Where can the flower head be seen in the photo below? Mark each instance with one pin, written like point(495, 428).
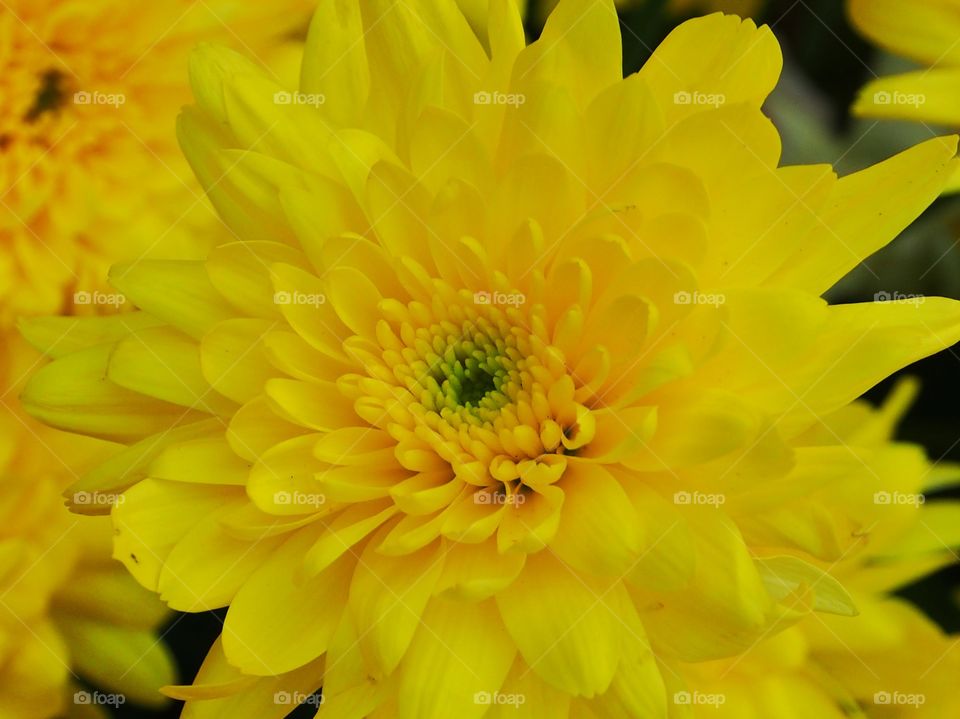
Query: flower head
point(90, 92)
point(516, 383)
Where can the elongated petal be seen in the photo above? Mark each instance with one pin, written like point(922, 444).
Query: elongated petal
point(265, 632)
point(460, 650)
point(565, 626)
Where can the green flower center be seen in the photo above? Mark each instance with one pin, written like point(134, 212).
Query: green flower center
point(474, 383)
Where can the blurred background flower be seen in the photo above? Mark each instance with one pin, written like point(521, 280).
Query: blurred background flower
point(90, 166)
point(72, 620)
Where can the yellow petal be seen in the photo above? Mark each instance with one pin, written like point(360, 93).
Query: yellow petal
point(155, 515)
point(283, 479)
point(460, 649)
point(165, 364)
point(599, 531)
point(60, 336)
point(255, 428)
point(220, 690)
point(928, 96)
point(566, 626)
point(580, 44)
point(926, 31)
point(130, 465)
point(233, 360)
point(73, 393)
point(786, 576)
point(387, 597)
point(344, 531)
point(178, 292)
point(317, 405)
point(724, 609)
point(717, 56)
point(207, 566)
point(276, 624)
point(335, 61)
point(867, 210)
point(472, 572)
point(241, 273)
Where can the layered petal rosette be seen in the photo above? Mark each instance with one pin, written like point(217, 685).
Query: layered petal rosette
point(513, 393)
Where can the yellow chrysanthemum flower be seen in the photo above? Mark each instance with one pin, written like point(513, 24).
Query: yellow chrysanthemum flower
point(925, 31)
point(509, 392)
point(90, 165)
point(890, 660)
point(68, 611)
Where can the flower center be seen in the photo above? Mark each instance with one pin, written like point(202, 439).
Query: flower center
point(473, 380)
point(474, 386)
